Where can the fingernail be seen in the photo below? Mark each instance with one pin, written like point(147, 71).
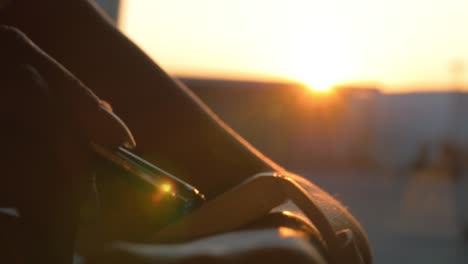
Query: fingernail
point(129, 145)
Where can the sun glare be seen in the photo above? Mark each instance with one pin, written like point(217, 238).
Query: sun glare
point(320, 89)
point(326, 42)
point(319, 86)
point(318, 78)
point(166, 187)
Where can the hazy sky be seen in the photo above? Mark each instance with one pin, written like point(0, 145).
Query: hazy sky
point(397, 43)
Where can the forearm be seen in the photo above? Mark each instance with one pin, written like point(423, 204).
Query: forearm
point(171, 126)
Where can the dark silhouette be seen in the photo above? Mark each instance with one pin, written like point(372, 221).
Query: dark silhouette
point(55, 57)
point(58, 59)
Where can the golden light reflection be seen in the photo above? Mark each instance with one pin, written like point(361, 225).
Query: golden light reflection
point(166, 187)
point(286, 232)
point(161, 192)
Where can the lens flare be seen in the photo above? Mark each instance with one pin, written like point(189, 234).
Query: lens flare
point(166, 187)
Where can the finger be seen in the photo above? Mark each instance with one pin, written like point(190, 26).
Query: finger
point(71, 96)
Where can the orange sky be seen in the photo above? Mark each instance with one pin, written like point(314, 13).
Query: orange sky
point(396, 43)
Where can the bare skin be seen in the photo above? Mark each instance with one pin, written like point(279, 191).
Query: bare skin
point(57, 57)
point(63, 55)
point(172, 126)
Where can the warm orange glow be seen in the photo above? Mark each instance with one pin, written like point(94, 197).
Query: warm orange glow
point(322, 88)
point(320, 43)
point(286, 232)
point(156, 197)
point(166, 187)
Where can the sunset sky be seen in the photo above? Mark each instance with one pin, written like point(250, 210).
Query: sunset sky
point(398, 44)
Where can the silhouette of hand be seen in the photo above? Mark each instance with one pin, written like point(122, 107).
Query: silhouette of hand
point(48, 118)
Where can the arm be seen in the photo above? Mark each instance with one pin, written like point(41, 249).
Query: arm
point(172, 126)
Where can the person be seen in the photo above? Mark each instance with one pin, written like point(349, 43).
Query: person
point(58, 58)
point(59, 61)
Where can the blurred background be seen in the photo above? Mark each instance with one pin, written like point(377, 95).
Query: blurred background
point(364, 97)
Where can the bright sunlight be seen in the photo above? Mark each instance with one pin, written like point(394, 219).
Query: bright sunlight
point(320, 43)
point(232, 42)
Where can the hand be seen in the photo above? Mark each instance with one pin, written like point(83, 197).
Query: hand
point(48, 119)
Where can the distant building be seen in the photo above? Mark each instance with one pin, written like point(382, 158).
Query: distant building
point(361, 127)
point(407, 122)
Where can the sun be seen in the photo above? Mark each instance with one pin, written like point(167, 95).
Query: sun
point(320, 89)
point(318, 80)
point(319, 60)
point(319, 74)
point(319, 85)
